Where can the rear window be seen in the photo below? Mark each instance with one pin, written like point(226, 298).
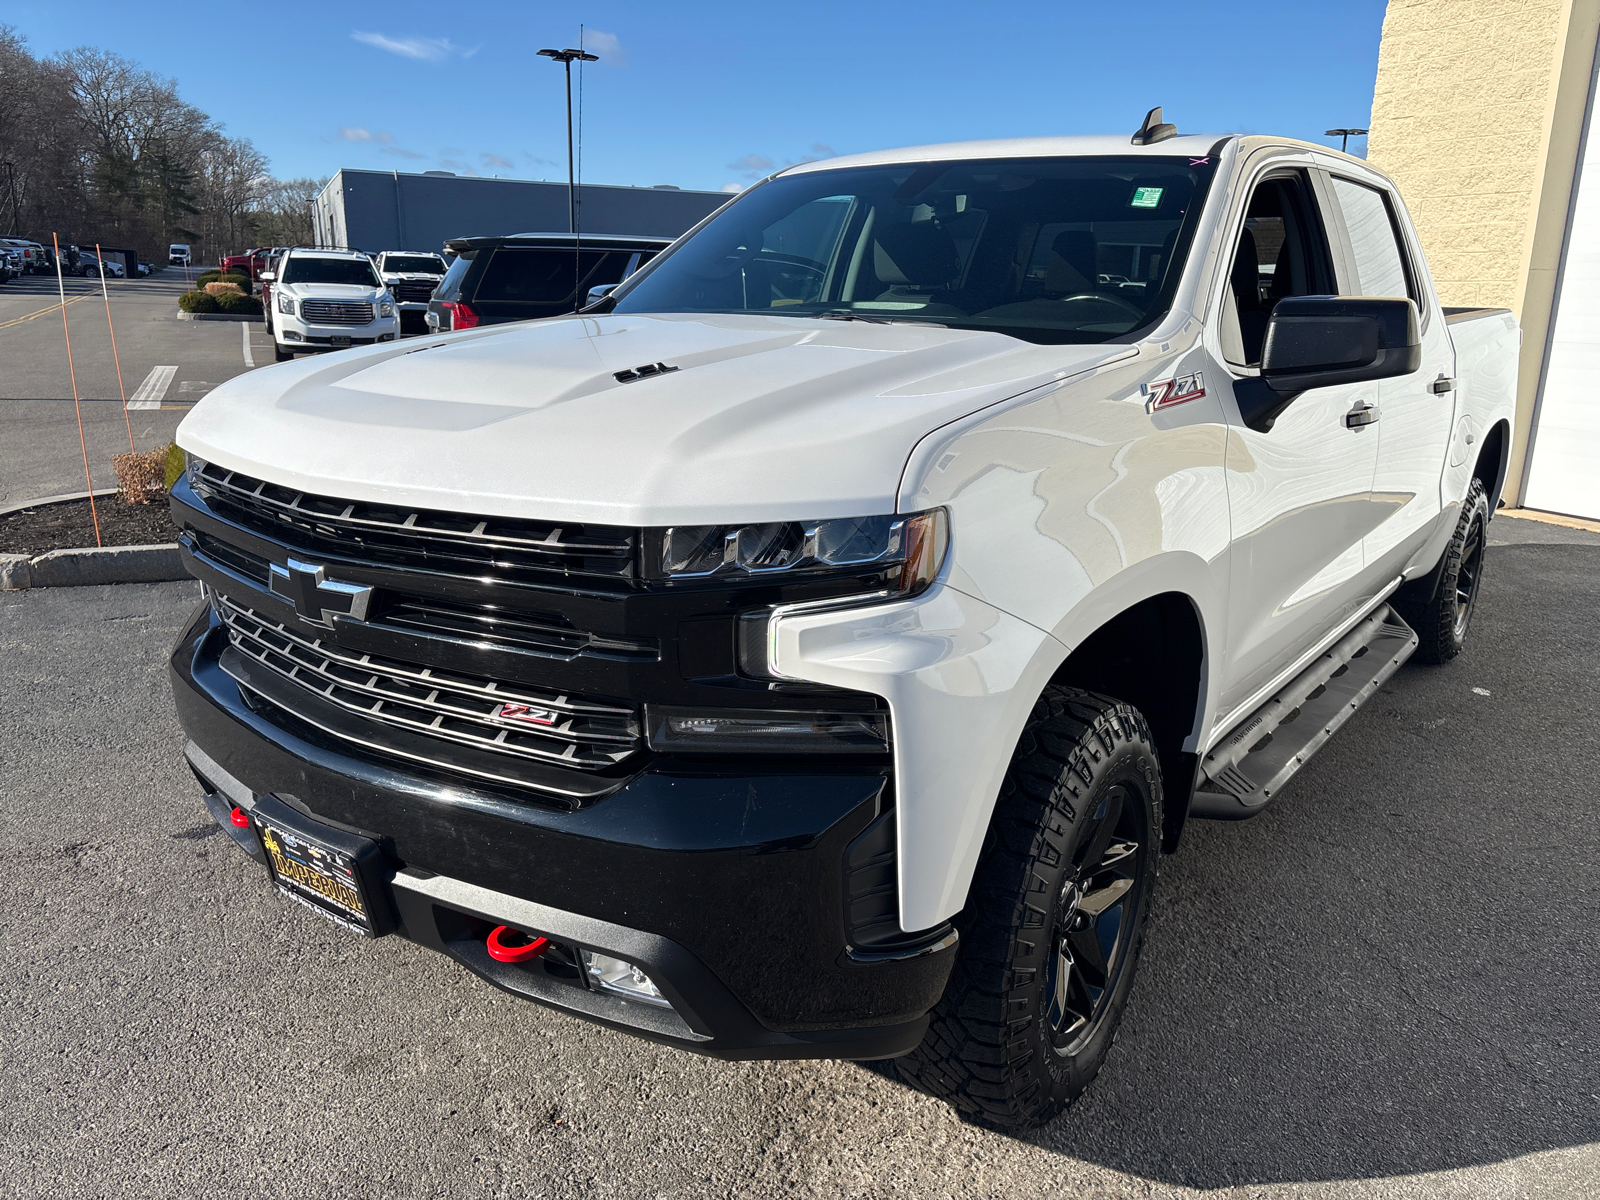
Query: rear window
point(450, 286)
point(544, 276)
point(421, 263)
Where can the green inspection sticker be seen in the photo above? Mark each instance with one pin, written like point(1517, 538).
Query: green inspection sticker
point(1146, 197)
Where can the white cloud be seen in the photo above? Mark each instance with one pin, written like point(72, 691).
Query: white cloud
point(354, 133)
point(731, 187)
point(823, 150)
point(606, 46)
point(420, 48)
point(497, 160)
point(754, 164)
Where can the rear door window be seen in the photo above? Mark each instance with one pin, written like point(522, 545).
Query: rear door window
point(1380, 268)
point(450, 286)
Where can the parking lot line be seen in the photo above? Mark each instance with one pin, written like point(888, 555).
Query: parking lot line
point(149, 393)
point(33, 315)
point(244, 328)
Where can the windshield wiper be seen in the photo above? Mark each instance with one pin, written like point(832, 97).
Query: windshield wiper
point(841, 315)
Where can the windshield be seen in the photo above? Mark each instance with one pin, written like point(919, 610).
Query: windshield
point(1044, 249)
point(424, 263)
point(357, 272)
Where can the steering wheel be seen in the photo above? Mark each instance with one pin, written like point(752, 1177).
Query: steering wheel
point(1114, 301)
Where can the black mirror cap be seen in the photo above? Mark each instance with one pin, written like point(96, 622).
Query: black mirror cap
point(1322, 341)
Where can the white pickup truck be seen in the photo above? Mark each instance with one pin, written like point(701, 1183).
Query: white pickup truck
point(811, 648)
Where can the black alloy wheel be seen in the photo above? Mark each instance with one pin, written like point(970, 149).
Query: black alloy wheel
point(1441, 616)
point(1096, 912)
point(1468, 572)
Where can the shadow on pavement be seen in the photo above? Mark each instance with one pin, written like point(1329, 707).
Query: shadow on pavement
point(1394, 969)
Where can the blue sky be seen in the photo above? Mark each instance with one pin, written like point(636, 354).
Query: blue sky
point(714, 95)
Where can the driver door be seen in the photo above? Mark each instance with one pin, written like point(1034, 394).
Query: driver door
point(1300, 492)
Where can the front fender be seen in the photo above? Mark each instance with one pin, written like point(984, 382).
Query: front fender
point(960, 677)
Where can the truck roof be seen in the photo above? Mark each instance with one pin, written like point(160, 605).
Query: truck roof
point(1196, 145)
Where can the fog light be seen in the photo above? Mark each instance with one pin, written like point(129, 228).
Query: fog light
point(290, 335)
point(751, 731)
point(623, 978)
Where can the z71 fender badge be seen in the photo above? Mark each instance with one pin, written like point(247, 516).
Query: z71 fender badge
point(523, 714)
point(1165, 393)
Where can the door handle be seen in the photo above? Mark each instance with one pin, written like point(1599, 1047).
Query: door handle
point(1360, 416)
point(1442, 385)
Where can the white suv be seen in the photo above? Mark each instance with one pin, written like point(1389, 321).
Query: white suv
point(327, 300)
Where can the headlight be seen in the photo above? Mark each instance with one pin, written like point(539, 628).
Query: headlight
point(914, 544)
point(285, 303)
point(386, 307)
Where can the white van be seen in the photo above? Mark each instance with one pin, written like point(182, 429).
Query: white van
point(178, 254)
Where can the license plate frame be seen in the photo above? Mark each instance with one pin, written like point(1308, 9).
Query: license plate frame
point(338, 875)
point(339, 340)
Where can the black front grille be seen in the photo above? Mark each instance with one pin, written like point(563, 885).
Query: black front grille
point(418, 539)
point(504, 721)
point(500, 626)
point(413, 293)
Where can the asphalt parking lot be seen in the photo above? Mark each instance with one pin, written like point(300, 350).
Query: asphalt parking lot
point(42, 454)
point(1384, 986)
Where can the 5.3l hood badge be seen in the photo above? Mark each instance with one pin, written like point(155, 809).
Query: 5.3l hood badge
point(316, 598)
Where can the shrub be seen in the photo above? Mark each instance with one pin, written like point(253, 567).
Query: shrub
point(221, 289)
point(238, 302)
point(141, 476)
point(208, 277)
point(174, 463)
point(198, 302)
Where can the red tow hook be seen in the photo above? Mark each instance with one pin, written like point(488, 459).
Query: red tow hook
point(240, 818)
point(500, 952)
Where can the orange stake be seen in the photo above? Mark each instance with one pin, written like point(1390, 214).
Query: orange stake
point(76, 403)
point(126, 420)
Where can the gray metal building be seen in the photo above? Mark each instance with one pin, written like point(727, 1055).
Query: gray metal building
point(392, 210)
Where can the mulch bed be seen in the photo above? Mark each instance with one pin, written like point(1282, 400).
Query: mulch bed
point(67, 526)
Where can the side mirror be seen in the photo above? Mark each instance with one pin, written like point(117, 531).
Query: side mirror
point(269, 276)
point(597, 294)
point(1324, 341)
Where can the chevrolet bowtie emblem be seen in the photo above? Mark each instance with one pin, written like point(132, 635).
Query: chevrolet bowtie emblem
point(317, 599)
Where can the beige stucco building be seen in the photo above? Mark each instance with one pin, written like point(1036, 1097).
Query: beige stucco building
point(1481, 114)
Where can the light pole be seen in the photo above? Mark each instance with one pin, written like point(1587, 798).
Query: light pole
point(1346, 135)
point(566, 58)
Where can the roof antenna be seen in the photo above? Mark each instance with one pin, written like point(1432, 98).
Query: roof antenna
point(1153, 131)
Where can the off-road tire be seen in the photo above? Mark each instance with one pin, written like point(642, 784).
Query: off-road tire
point(1443, 617)
point(992, 1048)
point(279, 353)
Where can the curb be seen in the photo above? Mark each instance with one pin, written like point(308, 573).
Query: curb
point(18, 505)
point(183, 316)
point(77, 568)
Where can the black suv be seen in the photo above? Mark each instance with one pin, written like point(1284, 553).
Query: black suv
point(524, 276)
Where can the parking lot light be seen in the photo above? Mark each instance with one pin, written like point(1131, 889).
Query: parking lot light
point(566, 58)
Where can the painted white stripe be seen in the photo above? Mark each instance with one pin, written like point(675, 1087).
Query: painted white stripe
point(153, 389)
point(244, 328)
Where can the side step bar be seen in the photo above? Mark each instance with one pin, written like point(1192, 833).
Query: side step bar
point(1248, 768)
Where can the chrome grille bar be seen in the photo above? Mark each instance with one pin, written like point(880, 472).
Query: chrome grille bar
point(583, 733)
point(336, 312)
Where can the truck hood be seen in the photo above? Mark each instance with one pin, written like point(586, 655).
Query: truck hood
point(331, 291)
point(756, 418)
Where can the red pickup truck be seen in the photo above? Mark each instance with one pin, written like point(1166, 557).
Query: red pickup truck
point(252, 262)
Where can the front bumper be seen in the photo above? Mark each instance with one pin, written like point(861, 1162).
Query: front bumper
point(728, 888)
point(294, 332)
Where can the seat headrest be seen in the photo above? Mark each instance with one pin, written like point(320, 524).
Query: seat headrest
point(1072, 267)
point(920, 255)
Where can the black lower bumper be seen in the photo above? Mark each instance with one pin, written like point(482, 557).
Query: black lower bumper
point(727, 889)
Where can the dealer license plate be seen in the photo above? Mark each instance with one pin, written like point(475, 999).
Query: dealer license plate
point(324, 879)
point(337, 340)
